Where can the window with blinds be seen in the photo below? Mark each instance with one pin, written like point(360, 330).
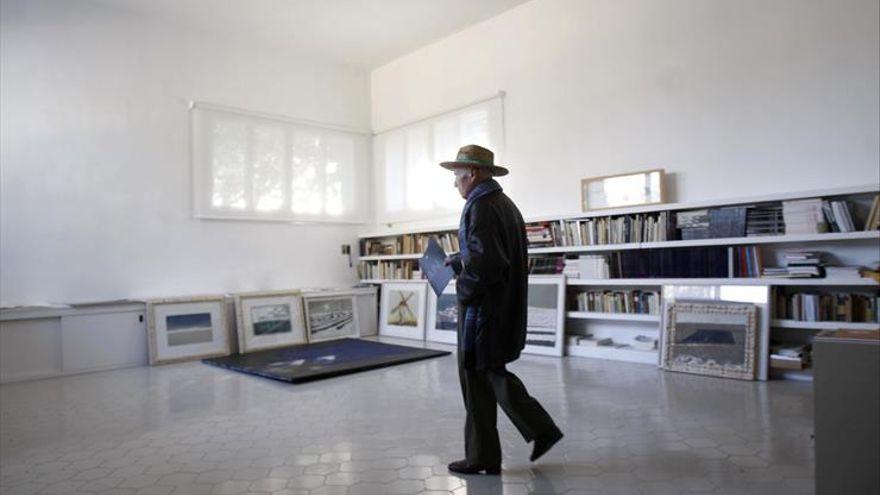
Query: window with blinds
point(249, 166)
point(409, 183)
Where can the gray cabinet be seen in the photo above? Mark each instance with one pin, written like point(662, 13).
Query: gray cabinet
point(847, 400)
point(46, 342)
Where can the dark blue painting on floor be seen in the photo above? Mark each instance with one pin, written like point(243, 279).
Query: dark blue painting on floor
point(302, 363)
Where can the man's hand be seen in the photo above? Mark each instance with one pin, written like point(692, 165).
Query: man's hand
point(454, 261)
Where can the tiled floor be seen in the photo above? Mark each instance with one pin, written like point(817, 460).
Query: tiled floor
point(195, 429)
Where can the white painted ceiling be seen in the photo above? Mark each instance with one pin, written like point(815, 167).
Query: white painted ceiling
point(361, 33)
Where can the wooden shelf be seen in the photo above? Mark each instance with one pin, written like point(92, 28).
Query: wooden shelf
point(656, 282)
point(823, 325)
point(602, 352)
point(597, 315)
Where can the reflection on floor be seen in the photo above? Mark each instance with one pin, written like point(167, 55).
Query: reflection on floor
point(195, 429)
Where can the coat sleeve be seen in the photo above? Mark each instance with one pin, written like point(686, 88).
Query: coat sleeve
point(486, 262)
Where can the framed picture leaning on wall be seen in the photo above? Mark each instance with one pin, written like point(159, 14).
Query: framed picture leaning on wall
point(403, 310)
point(331, 315)
point(545, 319)
point(617, 191)
point(712, 338)
point(180, 329)
point(269, 319)
point(442, 322)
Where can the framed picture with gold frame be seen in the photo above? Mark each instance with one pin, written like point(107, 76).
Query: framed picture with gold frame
point(621, 190)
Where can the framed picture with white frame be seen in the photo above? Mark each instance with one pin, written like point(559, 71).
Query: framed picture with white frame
point(269, 319)
point(403, 309)
point(621, 190)
point(545, 322)
point(181, 329)
point(331, 315)
point(442, 322)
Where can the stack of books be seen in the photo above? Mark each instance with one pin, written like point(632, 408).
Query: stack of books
point(804, 216)
point(539, 235)
point(790, 356)
point(798, 264)
point(765, 220)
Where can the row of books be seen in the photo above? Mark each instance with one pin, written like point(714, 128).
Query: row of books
point(608, 301)
point(798, 264)
point(814, 216)
point(409, 244)
point(649, 227)
point(399, 270)
point(845, 307)
point(694, 262)
point(805, 216)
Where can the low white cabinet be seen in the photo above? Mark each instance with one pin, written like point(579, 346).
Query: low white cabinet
point(45, 342)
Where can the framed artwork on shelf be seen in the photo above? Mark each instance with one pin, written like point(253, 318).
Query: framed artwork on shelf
point(180, 329)
point(403, 310)
point(712, 338)
point(269, 319)
point(442, 323)
point(617, 191)
point(545, 318)
point(331, 315)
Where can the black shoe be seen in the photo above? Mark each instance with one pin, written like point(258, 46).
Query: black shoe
point(544, 443)
point(463, 467)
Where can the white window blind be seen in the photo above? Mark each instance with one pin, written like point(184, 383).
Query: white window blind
point(409, 182)
point(251, 166)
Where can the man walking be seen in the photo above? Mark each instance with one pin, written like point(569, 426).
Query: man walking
point(492, 285)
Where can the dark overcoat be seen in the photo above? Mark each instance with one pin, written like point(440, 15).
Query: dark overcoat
point(494, 278)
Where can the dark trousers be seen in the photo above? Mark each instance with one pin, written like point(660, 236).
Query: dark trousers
point(482, 390)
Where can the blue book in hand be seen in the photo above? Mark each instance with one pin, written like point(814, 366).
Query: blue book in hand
point(431, 264)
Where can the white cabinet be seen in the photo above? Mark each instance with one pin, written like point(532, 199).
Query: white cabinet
point(46, 342)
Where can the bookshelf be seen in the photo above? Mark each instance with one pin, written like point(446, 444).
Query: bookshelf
point(653, 229)
point(824, 325)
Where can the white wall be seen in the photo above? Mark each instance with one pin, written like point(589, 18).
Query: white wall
point(733, 98)
point(95, 167)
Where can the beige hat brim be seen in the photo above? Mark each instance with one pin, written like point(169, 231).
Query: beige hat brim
point(495, 169)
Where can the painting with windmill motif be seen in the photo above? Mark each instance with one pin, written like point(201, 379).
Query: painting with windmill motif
point(403, 310)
